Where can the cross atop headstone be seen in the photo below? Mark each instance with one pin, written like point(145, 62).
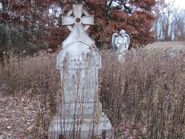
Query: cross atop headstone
point(78, 20)
point(77, 17)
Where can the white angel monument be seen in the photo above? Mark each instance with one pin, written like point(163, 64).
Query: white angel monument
point(80, 114)
point(120, 44)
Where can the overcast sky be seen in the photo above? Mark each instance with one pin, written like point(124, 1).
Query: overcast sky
point(178, 3)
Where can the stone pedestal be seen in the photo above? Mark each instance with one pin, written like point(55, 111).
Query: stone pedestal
point(81, 121)
point(83, 128)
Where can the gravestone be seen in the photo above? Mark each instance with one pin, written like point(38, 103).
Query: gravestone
point(173, 52)
point(120, 44)
point(80, 115)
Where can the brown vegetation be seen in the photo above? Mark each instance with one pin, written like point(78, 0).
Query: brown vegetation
point(145, 94)
point(29, 91)
point(143, 97)
point(42, 29)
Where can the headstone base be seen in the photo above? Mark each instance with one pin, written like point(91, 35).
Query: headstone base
point(81, 128)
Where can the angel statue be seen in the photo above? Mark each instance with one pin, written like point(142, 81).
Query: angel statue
point(120, 43)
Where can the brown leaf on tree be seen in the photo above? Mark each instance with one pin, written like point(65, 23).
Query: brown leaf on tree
point(35, 15)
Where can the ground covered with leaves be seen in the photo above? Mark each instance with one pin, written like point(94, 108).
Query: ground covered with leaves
point(18, 114)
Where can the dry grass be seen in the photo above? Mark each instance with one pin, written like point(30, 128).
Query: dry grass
point(36, 81)
point(143, 97)
point(166, 45)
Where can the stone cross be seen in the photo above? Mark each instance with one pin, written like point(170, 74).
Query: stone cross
point(78, 19)
point(120, 44)
point(80, 115)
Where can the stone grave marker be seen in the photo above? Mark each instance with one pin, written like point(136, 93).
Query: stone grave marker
point(120, 44)
point(173, 52)
point(80, 115)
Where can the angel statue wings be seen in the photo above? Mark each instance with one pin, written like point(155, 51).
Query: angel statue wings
point(120, 43)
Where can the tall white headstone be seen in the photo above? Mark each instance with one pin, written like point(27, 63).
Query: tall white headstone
point(120, 44)
point(80, 115)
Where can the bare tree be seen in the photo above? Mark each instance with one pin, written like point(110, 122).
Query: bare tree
point(179, 22)
point(164, 29)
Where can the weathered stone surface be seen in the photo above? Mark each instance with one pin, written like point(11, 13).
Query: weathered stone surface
point(84, 128)
point(80, 110)
point(80, 115)
point(79, 72)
